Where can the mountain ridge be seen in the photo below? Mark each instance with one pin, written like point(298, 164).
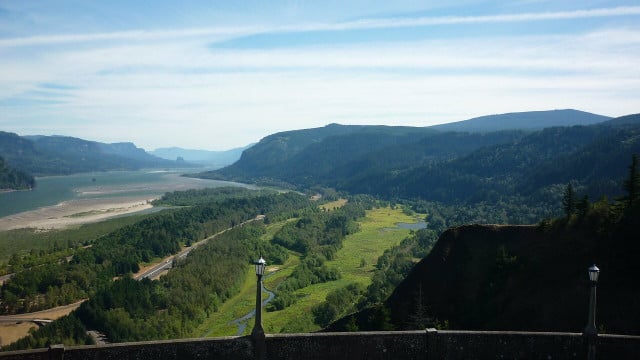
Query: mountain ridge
point(58, 155)
point(531, 120)
point(410, 162)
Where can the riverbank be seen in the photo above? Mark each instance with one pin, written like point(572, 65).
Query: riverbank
point(76, 212)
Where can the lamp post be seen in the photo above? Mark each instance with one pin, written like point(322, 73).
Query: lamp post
point(591, 332)
point(591, 329)
point(258, 332)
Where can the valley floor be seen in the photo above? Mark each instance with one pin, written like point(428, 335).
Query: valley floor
point(378, 232)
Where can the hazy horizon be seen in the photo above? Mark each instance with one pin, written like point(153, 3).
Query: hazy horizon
point(221, 75)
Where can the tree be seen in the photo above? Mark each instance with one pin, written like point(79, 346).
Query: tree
point(418, 318)
point(569, 200)
point(380, 319)
point(632, 183)
point(583, 206)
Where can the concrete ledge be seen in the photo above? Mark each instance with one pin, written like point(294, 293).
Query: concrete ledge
point(507, 345)
point(429, 344)
point(356, 345)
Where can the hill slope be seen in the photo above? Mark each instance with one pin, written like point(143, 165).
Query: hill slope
point(12, 179)
point(331, 154)
point(594, 157)
point(532, 120)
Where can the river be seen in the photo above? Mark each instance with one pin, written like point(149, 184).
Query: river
point(53, 190)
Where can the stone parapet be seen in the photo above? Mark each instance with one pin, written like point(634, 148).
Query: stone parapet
point(424, 345)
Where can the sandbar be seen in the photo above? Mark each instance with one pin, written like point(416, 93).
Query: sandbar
point(75, 212)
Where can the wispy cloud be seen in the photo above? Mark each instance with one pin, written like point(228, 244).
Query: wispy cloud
point(223, 33)
point(455, 20)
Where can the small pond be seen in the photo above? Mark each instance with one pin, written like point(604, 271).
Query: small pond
point(413, 226)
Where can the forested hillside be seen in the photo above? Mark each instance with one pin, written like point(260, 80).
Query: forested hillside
point(12, 179)
point(352, 152)
point(513, 166)
point(58, 155)
point(593, 157)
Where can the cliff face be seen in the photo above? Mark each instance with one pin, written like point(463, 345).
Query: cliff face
point(532, 278)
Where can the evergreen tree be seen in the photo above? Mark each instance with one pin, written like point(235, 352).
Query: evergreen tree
point(569, 200)
point(352, 325)
point(380, 319)
point(583, 206)
point(418, 319)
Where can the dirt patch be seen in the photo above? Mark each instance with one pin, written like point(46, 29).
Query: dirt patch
point(15, 331)
point(14, 327)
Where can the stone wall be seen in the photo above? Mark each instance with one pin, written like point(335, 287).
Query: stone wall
point(430, 344)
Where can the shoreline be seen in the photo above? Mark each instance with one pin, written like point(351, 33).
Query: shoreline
point(76, 212)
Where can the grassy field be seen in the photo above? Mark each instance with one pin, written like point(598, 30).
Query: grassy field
point(23, 240)
point(334, 204)
point(378, 232)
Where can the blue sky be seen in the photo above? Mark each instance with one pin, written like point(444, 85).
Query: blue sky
point(221, 74)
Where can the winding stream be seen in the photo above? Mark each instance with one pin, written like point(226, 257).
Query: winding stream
point(243, 322)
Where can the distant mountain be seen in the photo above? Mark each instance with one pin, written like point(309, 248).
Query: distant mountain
point(532, 120)
point(55, 155)
point(203, 157)
point(128, 150)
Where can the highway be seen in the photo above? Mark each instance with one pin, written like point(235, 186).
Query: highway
point(167, 263)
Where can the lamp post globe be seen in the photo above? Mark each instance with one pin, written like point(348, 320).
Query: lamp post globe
point(594, 272)
point(260, 265)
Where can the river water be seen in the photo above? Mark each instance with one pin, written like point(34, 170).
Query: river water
point(52, 190)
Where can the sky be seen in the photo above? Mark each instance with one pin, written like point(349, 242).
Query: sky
point(217, 75)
